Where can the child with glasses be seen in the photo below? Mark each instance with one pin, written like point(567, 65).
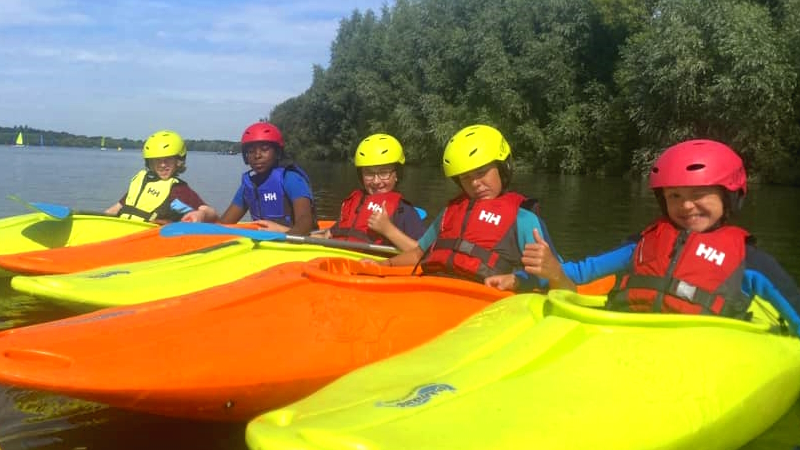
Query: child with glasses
point(376, 213)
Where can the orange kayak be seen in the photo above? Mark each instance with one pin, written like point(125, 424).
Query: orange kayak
point(135, 247)
point(234, 351)
point(231, 352)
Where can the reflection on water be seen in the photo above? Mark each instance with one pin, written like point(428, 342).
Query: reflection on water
point(584, 216)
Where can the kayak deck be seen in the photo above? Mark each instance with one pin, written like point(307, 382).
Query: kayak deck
point(139, 282)
point(38, 231)
point(533, 372)
point(233, 351)
point(140, 246)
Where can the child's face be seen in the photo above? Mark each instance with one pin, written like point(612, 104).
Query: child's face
point(482, 183)
point(262, 156)
point(695, 208)
point(163, 167)
point(379, 179)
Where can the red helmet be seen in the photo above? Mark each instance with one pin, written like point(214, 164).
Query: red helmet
point(699, 162)
point(261, 132)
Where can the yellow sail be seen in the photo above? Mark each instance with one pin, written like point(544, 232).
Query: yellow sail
point(103, 143)
point(20, 141)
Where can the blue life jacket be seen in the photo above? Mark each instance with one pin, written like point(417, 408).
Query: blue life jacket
point(269, 199)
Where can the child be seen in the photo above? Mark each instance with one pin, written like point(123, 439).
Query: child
point(482, 231)
point(157, 194)
point(691, 260)
point(377, 213)
point(275, 191)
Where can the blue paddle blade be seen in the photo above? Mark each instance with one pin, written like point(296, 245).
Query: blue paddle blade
point(421, 212)
point(55, 211)
point(197, 228)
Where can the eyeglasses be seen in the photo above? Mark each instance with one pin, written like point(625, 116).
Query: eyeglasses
point(382, 174)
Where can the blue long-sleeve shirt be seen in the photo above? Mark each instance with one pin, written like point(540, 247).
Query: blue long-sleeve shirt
point(763, 277)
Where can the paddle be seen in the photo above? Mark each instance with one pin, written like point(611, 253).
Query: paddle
point(190, 228)
point(55, 211)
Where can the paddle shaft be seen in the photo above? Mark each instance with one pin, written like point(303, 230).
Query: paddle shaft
point(185, 228)
point(383, 249)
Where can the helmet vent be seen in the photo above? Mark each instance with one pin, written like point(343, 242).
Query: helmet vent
point(384, 151)
point(693, 167)
point(473, 151)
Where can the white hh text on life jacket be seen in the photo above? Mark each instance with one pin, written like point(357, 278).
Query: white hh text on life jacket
point(489, 217)
point(270, 196)
point(710, 254)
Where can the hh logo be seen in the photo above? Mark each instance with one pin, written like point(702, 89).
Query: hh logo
point(270, 196)
point(489, 217)
point(153, 192)
point(710, 254)
point(374, 207)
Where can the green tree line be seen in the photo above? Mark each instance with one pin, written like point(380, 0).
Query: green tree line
point(577, 86)
point(8, 136)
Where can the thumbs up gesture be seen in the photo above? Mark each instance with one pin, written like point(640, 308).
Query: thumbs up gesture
point(379, 220)
point(539, 260)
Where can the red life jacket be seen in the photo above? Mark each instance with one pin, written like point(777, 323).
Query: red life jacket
point(478, 238)
point(691, 273)
point(355, 212)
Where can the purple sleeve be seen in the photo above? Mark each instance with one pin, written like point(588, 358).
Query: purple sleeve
point(407, 220)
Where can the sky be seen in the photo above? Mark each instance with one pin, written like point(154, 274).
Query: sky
point(204, 68)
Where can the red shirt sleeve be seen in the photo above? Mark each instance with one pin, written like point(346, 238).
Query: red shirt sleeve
point(186, 195)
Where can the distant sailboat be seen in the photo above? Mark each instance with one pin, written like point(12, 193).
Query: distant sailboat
point(103, 143)
point(41, 141)
point(20, 142)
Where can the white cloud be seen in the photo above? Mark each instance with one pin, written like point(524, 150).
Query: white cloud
point(124, 68)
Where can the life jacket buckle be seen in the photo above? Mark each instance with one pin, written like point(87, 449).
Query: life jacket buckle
point(684, 290)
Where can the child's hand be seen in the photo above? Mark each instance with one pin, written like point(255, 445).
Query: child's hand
point(269, 225)
point(379, 220)
point(192, 216)
point(539, 260)
point(505, 282)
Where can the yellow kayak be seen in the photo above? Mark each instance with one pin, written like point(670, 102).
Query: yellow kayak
point(132, 283)
point(543, 372)
point(38, 231)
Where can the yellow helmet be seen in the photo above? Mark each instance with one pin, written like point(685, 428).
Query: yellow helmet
point(379, 149)
point(164, 143)
point(474, 147)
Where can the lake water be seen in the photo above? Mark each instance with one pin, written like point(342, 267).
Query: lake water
point(584, 215)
